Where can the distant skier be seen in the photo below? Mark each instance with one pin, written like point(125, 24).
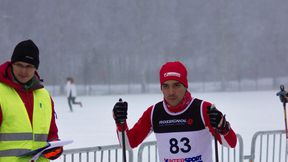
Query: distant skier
point(71, 93)
point(183, 125)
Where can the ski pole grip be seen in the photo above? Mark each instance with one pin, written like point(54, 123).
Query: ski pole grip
point(121, 121)
point(282, 94)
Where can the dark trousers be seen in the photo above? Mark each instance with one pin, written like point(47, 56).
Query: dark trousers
point(72, 100)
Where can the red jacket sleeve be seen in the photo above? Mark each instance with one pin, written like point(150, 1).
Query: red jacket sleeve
point(140, 130)
point(229, 139)
point(53, 132)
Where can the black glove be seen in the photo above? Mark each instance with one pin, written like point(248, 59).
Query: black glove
point(215, 117)
point(120, 111)
point(282, 94)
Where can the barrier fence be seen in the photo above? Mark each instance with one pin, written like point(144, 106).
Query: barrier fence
point(266, 146)
point(110, 153)
point(231, 154)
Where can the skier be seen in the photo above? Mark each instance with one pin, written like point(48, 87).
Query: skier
point(27, 117)
point(71, 93)
point(183, 125)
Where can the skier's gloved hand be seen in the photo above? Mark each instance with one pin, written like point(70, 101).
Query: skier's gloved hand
point(53, 153)
point(282, 94)
point(120, 112)
point(218, 120)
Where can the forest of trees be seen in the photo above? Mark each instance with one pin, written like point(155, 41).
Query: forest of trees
point(126, 41)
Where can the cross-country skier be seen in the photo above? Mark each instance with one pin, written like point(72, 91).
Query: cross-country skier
point(184, 125)
point(71, 93)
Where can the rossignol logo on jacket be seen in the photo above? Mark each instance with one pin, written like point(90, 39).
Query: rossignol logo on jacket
point(175, 122)
point(181, 137)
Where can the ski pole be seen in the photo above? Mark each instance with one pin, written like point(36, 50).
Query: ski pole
point(283, 98)
point(286, 130)
point(123, 143)
point(216, 146)
point(123, 137)
point(285, 120)
point(283, 94)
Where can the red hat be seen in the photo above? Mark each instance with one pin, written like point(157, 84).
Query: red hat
point(174, 71)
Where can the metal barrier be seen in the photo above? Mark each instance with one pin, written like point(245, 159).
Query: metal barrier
point(110, 153)
point(151, 156)
point(268, 146)
point(225, 154)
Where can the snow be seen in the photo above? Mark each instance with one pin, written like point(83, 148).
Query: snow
point(93, 125)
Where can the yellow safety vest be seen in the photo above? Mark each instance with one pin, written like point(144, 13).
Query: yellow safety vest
point(17, 135)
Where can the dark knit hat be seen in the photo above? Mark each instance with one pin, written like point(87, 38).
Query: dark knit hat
point(174, 71)
point(26, 51)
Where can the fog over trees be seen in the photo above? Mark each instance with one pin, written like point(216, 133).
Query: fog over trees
point(126, 41)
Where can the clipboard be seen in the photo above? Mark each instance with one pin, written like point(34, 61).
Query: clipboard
point(38, 152)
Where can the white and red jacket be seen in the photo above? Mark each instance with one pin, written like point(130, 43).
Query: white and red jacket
point(183, 132)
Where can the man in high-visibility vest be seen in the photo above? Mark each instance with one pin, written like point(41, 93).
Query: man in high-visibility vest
point(27, 120)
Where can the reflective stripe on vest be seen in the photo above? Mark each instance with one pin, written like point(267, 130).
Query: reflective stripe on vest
point(17, 135)
point(22, 136)
point(14, 152)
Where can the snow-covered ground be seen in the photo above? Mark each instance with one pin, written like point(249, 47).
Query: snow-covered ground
point(93, 124)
